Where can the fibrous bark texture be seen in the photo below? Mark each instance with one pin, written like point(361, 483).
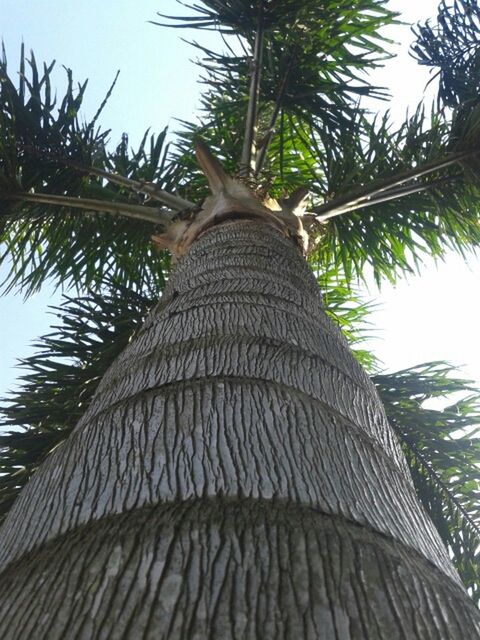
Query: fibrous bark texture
point(234, 477)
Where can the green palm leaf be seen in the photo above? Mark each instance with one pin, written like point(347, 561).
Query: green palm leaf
point(59, 185)
point(452, 49)
point(443, 450)
point(62, 376)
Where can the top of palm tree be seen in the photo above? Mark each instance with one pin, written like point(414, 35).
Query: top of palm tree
point(282, 108)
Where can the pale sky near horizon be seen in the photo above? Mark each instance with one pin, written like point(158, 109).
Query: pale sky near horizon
point(430, 317)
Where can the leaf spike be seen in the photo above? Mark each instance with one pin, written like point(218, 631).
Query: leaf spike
point(298, 199)
point(217, 177)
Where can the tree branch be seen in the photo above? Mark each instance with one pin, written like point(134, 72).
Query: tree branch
point(391, 194)
point(247, 161)
point(138, 212)
point(138, 186)
point(273, 120)
point(363, 196)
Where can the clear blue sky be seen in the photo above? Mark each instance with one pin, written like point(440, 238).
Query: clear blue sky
point(426, 318)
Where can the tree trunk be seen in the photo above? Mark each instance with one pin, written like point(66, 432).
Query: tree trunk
point(234, 477)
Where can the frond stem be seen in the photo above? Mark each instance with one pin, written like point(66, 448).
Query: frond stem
point(367, 193)
point(260, 161)
point(138, 186)
point(247, 161)
point(137, 212)
point(392, 194)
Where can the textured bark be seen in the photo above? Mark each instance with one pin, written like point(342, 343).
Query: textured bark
point(234, 477)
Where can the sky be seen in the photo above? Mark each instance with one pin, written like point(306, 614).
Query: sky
point(429, 317)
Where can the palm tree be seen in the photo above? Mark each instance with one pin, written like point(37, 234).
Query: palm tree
point(234, 474)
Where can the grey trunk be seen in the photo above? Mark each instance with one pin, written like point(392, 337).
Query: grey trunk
point(234, 477)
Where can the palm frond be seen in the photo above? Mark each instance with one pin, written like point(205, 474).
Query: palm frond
point(62, 375)
point(451, 48)
point(394, 195)
point(312, 66)
point(443, 452)
point(59, 185)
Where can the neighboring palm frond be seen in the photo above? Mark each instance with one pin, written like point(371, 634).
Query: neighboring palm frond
point(62, 376)
point(345, 307)
point(442, 447)
point(452, 46)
